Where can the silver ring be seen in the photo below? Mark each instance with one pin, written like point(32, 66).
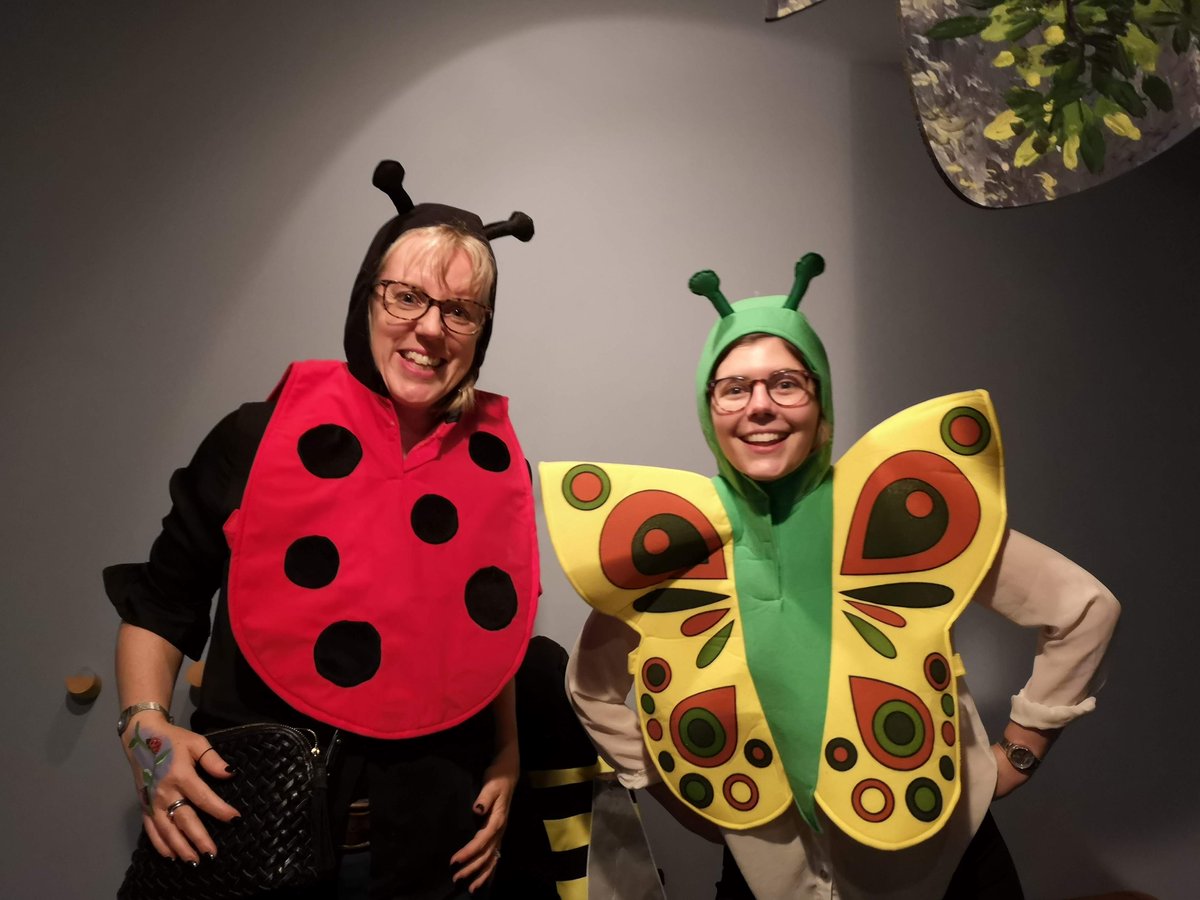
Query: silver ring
point(174, 807)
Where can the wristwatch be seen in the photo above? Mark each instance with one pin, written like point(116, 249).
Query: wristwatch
point(1022, 758)
point(131, 711)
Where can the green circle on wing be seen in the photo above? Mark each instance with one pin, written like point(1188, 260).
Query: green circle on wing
point(702, 733)
point(593, 486)
point(898, 728)
point(696, 790)
point(937, 671)
point(947, 704)
point(924, 800)
point(948, 427)
point(656, 674)
point(648, 704)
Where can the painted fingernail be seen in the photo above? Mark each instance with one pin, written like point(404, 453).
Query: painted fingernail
point(236, 820)
point(208, 857)
point(478, 807)
point(231, 770)
point(194, 863)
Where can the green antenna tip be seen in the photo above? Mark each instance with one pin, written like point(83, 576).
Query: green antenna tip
point(809, 267)
point(707, 284)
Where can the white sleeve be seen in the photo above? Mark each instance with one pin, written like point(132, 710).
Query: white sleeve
point(1036, 587)
point(598, 682)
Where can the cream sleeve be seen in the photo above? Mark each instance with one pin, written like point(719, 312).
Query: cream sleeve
point(1036, 587)
point(598, 682)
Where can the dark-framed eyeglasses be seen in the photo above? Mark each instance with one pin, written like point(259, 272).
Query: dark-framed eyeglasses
point(787, 387)
point(408, 303)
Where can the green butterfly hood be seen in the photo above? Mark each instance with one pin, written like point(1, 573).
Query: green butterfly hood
point(783, 540)
point(766, 315)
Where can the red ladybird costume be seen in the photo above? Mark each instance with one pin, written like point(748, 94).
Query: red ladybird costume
point(388, 595)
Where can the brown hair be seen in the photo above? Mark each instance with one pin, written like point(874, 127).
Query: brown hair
point(824, 429)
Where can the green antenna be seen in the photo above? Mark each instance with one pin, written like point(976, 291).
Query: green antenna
point(809, 267)
point(707, 284)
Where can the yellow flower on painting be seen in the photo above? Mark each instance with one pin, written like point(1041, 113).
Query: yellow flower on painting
point(1001, 127)
point(1141, 49)
point(1120, 124)
point(1070, 152)
point(1004, 59)
point(1025, 154)
point(1054, 35)
point(1049, 183)
point(998, 30)
point(1033, 79)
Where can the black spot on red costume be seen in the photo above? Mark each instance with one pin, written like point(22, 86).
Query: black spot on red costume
point(434, 519)
point(311, 562)
point(491, 599)
point(489, 452)
point(329, 451)
point(347, 653)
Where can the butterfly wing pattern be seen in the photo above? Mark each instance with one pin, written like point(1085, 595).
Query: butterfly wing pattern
point(919, 514)
point(653, 547)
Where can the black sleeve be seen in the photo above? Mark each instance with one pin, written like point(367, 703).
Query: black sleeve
point(171, 594)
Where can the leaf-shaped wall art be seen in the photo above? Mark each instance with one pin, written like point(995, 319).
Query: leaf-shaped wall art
point(1025, 101)
point(779, 9)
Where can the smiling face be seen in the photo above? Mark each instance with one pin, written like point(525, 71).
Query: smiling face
point(420, 361)
point(765, 441)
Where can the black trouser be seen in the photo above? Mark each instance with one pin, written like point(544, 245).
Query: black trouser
point(985, 872)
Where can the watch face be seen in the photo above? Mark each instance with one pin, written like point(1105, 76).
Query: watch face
point(1022, 758)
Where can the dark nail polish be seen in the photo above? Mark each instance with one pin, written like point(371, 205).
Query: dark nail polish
point(208, 857)
point(231, 770)
point(194, 863)
point(236, 820)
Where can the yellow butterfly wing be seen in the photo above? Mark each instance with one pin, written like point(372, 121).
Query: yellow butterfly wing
point(918, 516)
point(654, 548)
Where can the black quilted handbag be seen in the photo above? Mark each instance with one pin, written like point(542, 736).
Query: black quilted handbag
point(282, 839)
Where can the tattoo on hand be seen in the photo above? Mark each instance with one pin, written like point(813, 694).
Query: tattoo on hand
point(153, 756)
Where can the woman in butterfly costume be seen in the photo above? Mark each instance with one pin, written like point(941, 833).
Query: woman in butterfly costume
point(786, 625)
point(350, 523)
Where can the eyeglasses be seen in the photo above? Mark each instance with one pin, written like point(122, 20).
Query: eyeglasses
point(787, 387)
point(408, 303)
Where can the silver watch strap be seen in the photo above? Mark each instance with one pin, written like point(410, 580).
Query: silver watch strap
point(130, 711)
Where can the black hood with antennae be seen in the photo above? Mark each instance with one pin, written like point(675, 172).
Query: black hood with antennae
point(389, 178)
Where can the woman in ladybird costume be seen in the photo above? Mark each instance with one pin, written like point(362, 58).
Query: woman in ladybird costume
point(370, 529)
point(785, 626)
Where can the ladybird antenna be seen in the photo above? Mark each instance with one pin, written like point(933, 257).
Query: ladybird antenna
point(517, 225)
point(809, 267)
point(707, 284)
point(389, 178)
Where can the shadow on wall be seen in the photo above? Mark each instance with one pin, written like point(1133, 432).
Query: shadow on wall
point(1078, 316)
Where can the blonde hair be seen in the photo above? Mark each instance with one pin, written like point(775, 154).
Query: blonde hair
point(439, 245)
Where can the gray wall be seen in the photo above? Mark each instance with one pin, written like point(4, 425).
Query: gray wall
point(186, 201)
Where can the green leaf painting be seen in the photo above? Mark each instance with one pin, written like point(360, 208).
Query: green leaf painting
point(1024, 101)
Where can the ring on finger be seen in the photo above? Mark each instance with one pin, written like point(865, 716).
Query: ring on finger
point(201, 756)
point(496, 855)
point(174, 807)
